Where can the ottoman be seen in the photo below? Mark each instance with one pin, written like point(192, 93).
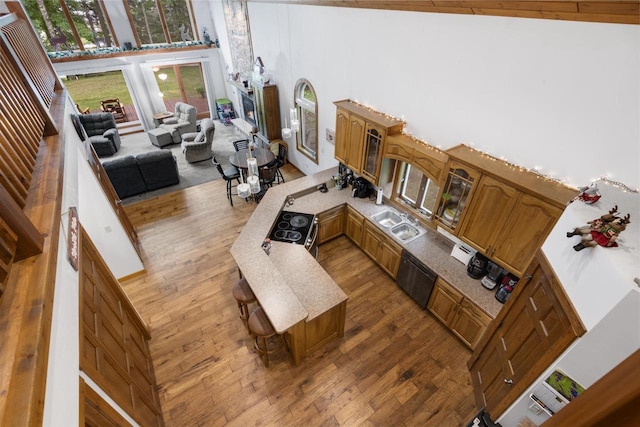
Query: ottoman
point(159, 169)
point(160, 137)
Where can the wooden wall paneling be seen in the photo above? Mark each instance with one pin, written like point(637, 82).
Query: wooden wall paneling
point(611, 11)
point(95, 411)
point(113, 340)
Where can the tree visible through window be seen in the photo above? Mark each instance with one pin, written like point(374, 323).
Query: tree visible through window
point(161, 21)
point(71, 24)
point(305, 103)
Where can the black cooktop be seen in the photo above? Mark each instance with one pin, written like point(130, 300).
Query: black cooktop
point(292, 227)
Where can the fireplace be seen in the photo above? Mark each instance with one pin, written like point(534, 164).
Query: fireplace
point(249, 109)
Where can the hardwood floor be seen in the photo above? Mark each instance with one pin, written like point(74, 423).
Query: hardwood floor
point(396, 365)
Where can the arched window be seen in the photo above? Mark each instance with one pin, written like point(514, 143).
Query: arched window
point(307, 110)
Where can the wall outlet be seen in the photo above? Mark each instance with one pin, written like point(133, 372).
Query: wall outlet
point(331, 136)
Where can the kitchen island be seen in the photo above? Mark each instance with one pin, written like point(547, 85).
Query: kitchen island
point(299, 297)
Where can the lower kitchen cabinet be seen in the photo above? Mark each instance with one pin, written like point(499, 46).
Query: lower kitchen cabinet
point(381, 248)
point(354, 225)
point(466, 320)
point(330, 224)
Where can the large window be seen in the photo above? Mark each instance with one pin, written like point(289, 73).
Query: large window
point(416, 190)
point(184, 83)
point(70, 24)
point(307, 111)
point(161, 21)
point(75, 25)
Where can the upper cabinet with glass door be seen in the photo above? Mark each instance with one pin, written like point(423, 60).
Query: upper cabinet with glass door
point(456, 192)
point(361, 148)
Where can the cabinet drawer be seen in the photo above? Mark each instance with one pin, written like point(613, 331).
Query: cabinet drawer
point(475, 311)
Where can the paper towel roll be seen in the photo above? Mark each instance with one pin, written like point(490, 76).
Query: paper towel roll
point(379, 198)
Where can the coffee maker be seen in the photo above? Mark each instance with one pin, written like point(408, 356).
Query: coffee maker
point(493, 277)
point(509, 282)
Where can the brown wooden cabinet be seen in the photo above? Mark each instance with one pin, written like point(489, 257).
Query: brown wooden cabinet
point(505, 213)
point(360, 140)
point(349, 140)
point(466, 320)
point(430, 160)
point(268, 111)
point(354, 225)
point(507, 225)
point(331, 224)
point(381, 248)
point(455, 195)
point(536, 325)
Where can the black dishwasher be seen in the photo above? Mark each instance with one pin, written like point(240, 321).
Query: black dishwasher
point(415, 279)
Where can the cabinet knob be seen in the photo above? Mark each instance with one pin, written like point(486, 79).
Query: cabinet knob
point(508, 381)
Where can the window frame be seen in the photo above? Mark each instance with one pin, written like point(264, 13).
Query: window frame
point(302, 104)
point(426, 182)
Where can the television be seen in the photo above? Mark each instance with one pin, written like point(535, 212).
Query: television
point(249, 109)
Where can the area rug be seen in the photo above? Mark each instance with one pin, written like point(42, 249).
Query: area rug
point(190, 173)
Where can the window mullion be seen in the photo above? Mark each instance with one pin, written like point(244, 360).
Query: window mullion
point(72, 24)
point(165, 28)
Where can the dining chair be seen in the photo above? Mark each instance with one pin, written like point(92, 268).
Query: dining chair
point(268, 175)
point(241, 144)
point(281, 158)
point(229, 174)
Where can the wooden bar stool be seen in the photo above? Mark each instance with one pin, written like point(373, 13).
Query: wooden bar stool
point(261, 328)
point(244, 296)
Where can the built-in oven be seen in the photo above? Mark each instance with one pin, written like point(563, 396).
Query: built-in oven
point(297, 228)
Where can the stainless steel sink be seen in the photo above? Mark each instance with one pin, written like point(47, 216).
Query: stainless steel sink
point(407, 232)
point(387, 218)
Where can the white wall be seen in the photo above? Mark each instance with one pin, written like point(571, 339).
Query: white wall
point(540, 93)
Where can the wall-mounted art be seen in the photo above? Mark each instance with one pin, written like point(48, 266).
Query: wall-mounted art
point(237, 19)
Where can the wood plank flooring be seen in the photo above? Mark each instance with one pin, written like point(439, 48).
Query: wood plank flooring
point(395, 366)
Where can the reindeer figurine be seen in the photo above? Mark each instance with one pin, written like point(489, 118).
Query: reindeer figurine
point(602, 231)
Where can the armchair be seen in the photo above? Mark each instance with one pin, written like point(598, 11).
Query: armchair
point(102, 132)
point(183, 121)
point(196, 146)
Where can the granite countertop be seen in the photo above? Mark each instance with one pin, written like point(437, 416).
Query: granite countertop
point(292, 286)
point(433, 249)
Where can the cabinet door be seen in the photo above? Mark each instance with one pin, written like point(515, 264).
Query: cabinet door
point(455, 194)
point(341, 152)
point(469, 323)
point(330, 224)
point(354, 146)
point(373, 141)
point(444, 301)
point(370, 240)
point(535, 326)
point(530, 222)
point(389, 255)
point(353, 227)
point(492, 204)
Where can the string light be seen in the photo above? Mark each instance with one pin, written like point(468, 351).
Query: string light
point(616, 184)
point(535, 170)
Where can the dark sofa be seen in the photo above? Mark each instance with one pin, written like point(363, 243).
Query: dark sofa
point(145, 172)
point(102, 132)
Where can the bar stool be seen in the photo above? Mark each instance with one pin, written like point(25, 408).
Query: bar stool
point(244, 296)
point(261, 328)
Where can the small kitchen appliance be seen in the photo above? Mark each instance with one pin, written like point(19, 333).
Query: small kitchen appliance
point(477, 266)
point(361, 188)
point(493, 277)
point(295, 227)
point(508, 283)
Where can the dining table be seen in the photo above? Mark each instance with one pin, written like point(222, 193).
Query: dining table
point(263, 157)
